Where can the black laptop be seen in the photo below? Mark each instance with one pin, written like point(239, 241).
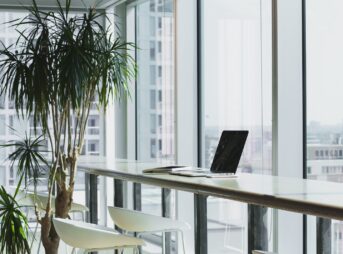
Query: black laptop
point(226, 158)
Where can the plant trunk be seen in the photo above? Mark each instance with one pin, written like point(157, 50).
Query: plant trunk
point(50, 238)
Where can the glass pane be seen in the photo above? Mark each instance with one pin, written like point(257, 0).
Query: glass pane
point(7, 118)
point(324, 40)
point(236, 95)
point(155, 82)
point(155, 95)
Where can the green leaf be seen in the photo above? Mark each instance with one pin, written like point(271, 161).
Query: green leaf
point(27, 153)
point(13, 225)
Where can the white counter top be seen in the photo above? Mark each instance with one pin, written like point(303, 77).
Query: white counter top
point(324, 199)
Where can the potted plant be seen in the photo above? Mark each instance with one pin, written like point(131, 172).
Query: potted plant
point(60, 64)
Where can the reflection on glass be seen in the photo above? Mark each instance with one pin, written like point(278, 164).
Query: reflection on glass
point(155, 81)
point(236, 95)
point(324, 104)
point(155, 95)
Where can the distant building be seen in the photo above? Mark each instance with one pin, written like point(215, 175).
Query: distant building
point(155, 84)
point(325, 162)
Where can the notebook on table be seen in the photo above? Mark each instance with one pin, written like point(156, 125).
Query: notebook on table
point(226, 158)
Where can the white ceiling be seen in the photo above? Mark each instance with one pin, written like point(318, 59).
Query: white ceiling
point(101, 4)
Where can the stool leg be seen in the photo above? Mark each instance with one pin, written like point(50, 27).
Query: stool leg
point(34, 235)
point(163, 243)
point(138, 235)
point(39, 245)
point(183, 242)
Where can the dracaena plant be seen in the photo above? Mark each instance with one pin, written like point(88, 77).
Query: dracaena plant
point(30, 163)
point(28, 160)
point(13, 225)
point(60, 64)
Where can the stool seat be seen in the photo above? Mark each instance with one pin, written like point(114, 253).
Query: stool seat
point(29, 198)
point(89, 236)
point(135, 221)
point(42, 200)
point(262, 252)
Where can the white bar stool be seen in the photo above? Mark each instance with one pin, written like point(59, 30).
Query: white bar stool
point(262, 252)
point(28, 198)
point(134, 221)
point(92, 237)
point(42, 200)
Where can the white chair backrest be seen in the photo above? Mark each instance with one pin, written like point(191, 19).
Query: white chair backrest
point(261, 252)
point(85, 235)
point(136, 221)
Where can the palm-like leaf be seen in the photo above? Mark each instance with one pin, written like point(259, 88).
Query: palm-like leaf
point(13, 225)
point(29, 158)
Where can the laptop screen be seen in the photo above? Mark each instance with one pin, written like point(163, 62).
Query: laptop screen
point(229, 151)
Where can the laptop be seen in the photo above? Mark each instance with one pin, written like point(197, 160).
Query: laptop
point(226, 158)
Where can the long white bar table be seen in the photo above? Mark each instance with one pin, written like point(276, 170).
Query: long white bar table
point(319, 198)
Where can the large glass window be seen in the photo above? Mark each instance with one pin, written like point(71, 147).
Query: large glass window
point(7, 114)
point(155, 82)
point(324, 48)
point(236, 95)
point(155, 89)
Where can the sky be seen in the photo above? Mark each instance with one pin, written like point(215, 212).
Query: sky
point(228, 53)
point(324, 61)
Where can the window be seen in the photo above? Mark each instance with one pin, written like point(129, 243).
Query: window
point(159, 22)
point(93, 147)
point(159, 47)
point(159, 71)
point(324, 52)
point(153, 123)
point(236, 94)
point(2, 174)
point(152, 51)
point(152, 26)
point(3, 125)
point(155, 140)
point(152, 99)
point(160, 144)
point(2, 99)
point(151, 73)
point(153, 148)
point(159, 120)
point(152, 6)
point(160, 96)
point(94, 125)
